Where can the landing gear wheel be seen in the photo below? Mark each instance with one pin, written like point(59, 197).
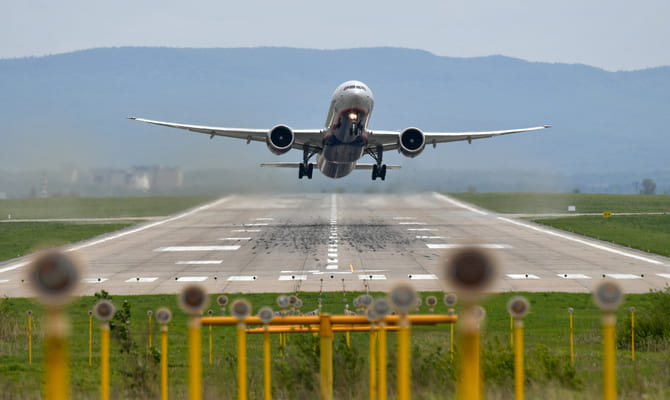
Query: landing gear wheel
point(308, 173)
point(382, 173)
point(301, 171)
point(375, 172)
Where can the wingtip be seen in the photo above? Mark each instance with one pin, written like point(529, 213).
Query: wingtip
point(547, 126)
point(133, 118)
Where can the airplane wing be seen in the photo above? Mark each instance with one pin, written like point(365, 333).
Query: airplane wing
point(370, 166)
point(389, 139)
point(311, 137)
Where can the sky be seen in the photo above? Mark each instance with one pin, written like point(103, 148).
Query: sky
point(609, 34)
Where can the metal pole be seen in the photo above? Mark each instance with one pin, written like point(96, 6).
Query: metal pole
point(326, 359)
point(511, 330)
point(518, 360)
point(241, 361)
point(210, 345)
point(57, 373)
point(164, 362)
point(373, 364)
point(381, 391)
point(194, 363)
point(451, 342)
point(572, 343)
point(267, 381)
point(90, 340)
point(404, 372)
point(30, 339)
point(609, 357)
point(104, 361)
point(632, 334)
point(149, 332)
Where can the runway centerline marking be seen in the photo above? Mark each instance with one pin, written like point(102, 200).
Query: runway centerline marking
point(458, 246)
point(574, 276)
point(197, 248)
point(142, 279)
point(582, 241)
point(522, 276)
point(199, 262)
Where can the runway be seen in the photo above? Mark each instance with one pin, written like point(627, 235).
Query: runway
point(258, 243)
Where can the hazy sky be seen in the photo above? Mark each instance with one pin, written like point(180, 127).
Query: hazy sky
point(610, 34)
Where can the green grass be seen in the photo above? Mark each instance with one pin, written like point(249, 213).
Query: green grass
point(97, 207)
point(558, 202)
point(20, 238)
point(296, 374)
point(644, 232)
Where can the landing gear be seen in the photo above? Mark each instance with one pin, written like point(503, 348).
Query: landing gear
point(379, 169)
point(306, 168)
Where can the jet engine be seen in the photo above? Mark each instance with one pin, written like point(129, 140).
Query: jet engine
point(411, 142)
point(280, 139)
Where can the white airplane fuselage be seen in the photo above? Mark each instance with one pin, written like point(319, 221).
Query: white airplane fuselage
point(345, 137)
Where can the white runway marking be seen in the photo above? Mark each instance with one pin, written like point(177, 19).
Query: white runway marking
point(422, 276)
point(142, 280)
point(623, 276)
point(581, 241)
point(199, 262)
point(292, 277)
point(523, 276)
point(421, 229)
point(403, 218)
point(15, 266)
point(246, 230)
point(4, 280)
point(332, 261)
point(432, 237)
point(458, 246)
point(261, 224)
point(93, 280)
point(332, 255)
point(574, 276)
point(412, 223)
point(197, 248)
point(666, 276)
point(242, 278)
point(459, 204)
point(236, 238)
point(191, 278)
point(331, 267)
point(372, 277)
point(265, 219)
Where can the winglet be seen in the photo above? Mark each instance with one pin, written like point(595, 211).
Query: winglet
point(133, 118)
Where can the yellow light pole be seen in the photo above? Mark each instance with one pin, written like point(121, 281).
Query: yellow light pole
point(608, 295)
point(90, 338)
point(572, 341)
point(149, 314)
point(450, 300)
point(241, 309)
point(382, 308)
point(518, 307)
point(403, 298)
point(326, 357)
point(266, 315)
point(210, 312)
point(163, 316)
point(193, 299)
point(511, 330)
point(54, 277)
point(104, 311)
point(470, 270)
point(632, 333)
point(30, 337)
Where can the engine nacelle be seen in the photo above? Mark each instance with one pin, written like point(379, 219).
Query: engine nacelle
point(280, 139)
point(411, 142)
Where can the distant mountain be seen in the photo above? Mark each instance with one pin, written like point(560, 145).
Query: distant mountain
point(71, 108)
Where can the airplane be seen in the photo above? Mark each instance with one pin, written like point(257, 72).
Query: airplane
point(344, 139)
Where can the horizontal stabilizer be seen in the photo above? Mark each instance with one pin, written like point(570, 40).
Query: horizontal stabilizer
point(370, 166)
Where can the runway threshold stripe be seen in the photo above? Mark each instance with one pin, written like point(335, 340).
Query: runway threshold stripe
point(581, 241)
point(197, 248)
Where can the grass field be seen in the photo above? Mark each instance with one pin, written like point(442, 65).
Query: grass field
point(93, 207)
point(295, 375)
point(649, 233)
point(530, 203)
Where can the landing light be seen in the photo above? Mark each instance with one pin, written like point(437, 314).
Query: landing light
point(353, 116)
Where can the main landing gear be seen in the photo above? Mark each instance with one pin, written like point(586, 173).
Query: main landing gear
point(379, 169)
point(306, 168)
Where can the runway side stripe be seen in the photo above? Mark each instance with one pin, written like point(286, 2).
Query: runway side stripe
point(574, 276)
point(458, 246)
point(93, 280)
point(459, 204)
point(242, 278)
point(372, 277)
point(191, 278)
point(292, 277)
point(666, 276)
point(581, 241)
point(142, 280)
point(199, 262)
point(422, 276)
point(522, 276)
point(197, 248)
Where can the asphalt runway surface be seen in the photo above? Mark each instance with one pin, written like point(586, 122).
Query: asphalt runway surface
point(242, 244)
